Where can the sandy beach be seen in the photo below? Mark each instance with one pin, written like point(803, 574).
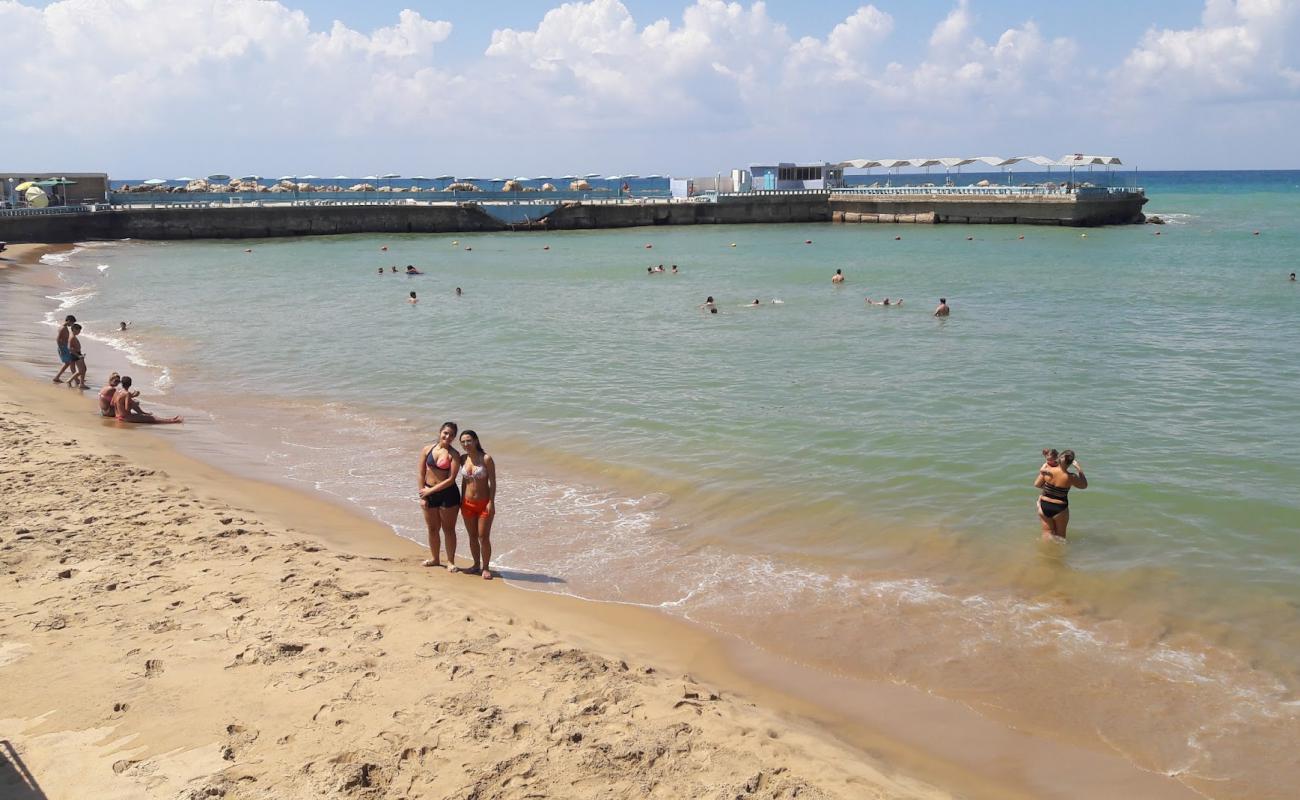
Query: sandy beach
point(168, 642)
point(168, 630)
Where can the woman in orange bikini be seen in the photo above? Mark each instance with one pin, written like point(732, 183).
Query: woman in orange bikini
point(1055, 482)
point(439, 497)
point(478, 507)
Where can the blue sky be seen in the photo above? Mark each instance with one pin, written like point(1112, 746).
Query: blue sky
point(167, 87)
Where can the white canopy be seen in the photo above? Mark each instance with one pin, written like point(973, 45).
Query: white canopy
point(1074, 160)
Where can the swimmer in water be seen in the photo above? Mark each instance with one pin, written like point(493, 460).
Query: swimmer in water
point(381, 270)
point(458, 291)
point(121, 326)
point(675, 271)
point(710, 305)
point(394, 268)
point(885, 302)
point(1054, 483)
point(411, 270)
point(754, 304)
point(942, 310)
point(838, 277)
point(413, 299)
point(439, 465)
point(1293, 277)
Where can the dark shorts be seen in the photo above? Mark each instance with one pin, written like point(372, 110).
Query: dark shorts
point(447, 498)
point(1051, 509)
point(65, 355)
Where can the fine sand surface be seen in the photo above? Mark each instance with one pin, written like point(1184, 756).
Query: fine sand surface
point(161, 635)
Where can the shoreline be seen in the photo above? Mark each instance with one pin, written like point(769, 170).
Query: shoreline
point(908, 717)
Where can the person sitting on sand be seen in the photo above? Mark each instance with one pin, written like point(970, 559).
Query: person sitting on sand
point(61, 340)
point(942, 310)
point(411, 270)
point(127, 409)
point(78, 358)
point(886, 302)
point(412, 299)
point(838, 277)
point(439, 497)
point(1055, 483)
point(478, 501)
point(106, 395)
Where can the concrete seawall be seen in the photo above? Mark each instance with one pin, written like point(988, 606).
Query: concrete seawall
point(251, 222)
point(1063, 209)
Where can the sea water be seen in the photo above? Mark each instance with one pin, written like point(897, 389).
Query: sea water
point(848, 485)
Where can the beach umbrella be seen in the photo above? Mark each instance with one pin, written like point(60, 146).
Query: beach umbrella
point(419, 178)
point(24, 186)
point(445, 178)
point(218, 178)
point(471, 178)
point(36, 197)
point(287, 177)
point(654, 177)
point(371, 178)
point(568, 177)
point(592, 175)
point(539, 178)
point(340, 178)
point(250, 177)
point(154, 182)
point(498, 180)
point(184, 180)
point(310, 177)
point(389, 176)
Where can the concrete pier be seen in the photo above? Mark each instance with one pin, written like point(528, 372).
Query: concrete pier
point(272, 219)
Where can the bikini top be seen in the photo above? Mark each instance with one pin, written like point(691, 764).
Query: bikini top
point(1055, 492)
point(442, 463)
point(467, 470)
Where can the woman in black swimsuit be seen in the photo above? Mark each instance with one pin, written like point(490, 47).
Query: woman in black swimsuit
point(1055, 482)
point(439, 496)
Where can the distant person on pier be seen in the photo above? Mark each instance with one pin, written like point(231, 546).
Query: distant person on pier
point(61, 340)
point(942, 310)
point(838, 277)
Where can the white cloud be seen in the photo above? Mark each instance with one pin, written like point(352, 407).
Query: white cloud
point(1242, 49)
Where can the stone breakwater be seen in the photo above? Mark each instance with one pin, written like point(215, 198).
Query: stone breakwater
point(250, 222)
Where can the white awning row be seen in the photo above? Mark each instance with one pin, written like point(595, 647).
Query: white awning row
point(1072, 160)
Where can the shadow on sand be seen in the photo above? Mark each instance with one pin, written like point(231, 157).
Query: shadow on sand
point(525, 577)
point(16, 782)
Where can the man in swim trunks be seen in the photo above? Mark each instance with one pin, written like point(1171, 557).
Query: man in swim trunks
point(127, 409)
point(65, 355)
point(942, 310)
point(78, 358)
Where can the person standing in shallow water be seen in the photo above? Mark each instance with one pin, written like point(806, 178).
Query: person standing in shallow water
point(478, 501)
point(838, 277)
point(1054, 483)
point(942, 310)
point(65, 356)
point(439, 497)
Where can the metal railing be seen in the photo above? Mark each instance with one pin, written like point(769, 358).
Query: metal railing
point(985, 191)
point(51, 210)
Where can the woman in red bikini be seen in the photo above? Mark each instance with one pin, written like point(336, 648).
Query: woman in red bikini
point(478, 488)
point(439, 497)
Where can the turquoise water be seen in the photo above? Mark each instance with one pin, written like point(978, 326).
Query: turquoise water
point(845, 484)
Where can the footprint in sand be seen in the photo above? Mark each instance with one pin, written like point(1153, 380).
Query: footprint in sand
point(153, 667)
